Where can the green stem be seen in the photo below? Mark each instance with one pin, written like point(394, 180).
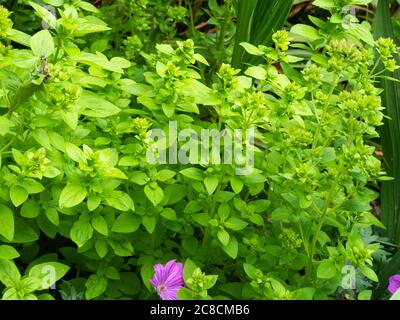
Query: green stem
point(58, 50)
point(324, 111)
point(221, 45)
point(212, 210)
point(192, 27)
point(323, 214)
point(316, 233)
point(8, 144)
point(303, 238)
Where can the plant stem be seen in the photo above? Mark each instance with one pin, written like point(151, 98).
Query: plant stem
point(8, 144)
point(192, 27)
point(221, 45)
point(316, 233)
point(324, 111)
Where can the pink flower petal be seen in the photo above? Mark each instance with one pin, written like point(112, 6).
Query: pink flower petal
point(394, 283)
point(168, 279)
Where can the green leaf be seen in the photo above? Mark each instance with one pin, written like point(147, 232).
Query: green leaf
point(101, 248)
point(256, 219)
point(223, 236)
point(257, 72)
point(261, 205)
point(236, 224)
point(199, 92)
point(112, 273)
point(126, 223)
point(201, 59)
point(5, 126)
point(169, 214)
point(6, 223)
point(70, 118)
point(95, 286)
point(188, 269)
point(42, 43)
point(363, 32)
point(155, 195)
point(93, 202)
point(9, 274)
point(120, 201)
point(139, 178)
point(236, 184)
point(326, 269)
point(19, 37)
point(100, 225)
point(48, 273)
point(72, 195)
point(165, 48)
point(232, 248)
point(46, 296)
point(10, 294)
point(52, 215)
point(194, 206)
point(85, 26)
point(224, 211)
point(369, 273)
point(365, 295)
point(355, 205)
point(8, 253)
point(147, 272)
point(55, 3)
point(185, 294)
point(193, 173)
point(99, 60)
point(87, 6)
point(81, 232)
point(211, 183)
point(32, 186)
point(165, 175)
point(253, 50)
point(210, 281)
point(18, 195)
point(138, 89)
point(75, 153)
point(251, 271)
point(325, 4)
point(97, 107)
point(149, 223)
point(306, 32)
point(201, 218)
point(113, 173)
point(303, 294)
point(28, 285)
point(44, 14)
point(25, 232)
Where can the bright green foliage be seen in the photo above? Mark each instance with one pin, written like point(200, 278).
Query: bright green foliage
point(41, 276)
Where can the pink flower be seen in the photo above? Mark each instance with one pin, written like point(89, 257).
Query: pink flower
point(168, 279)
point(394, 283)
